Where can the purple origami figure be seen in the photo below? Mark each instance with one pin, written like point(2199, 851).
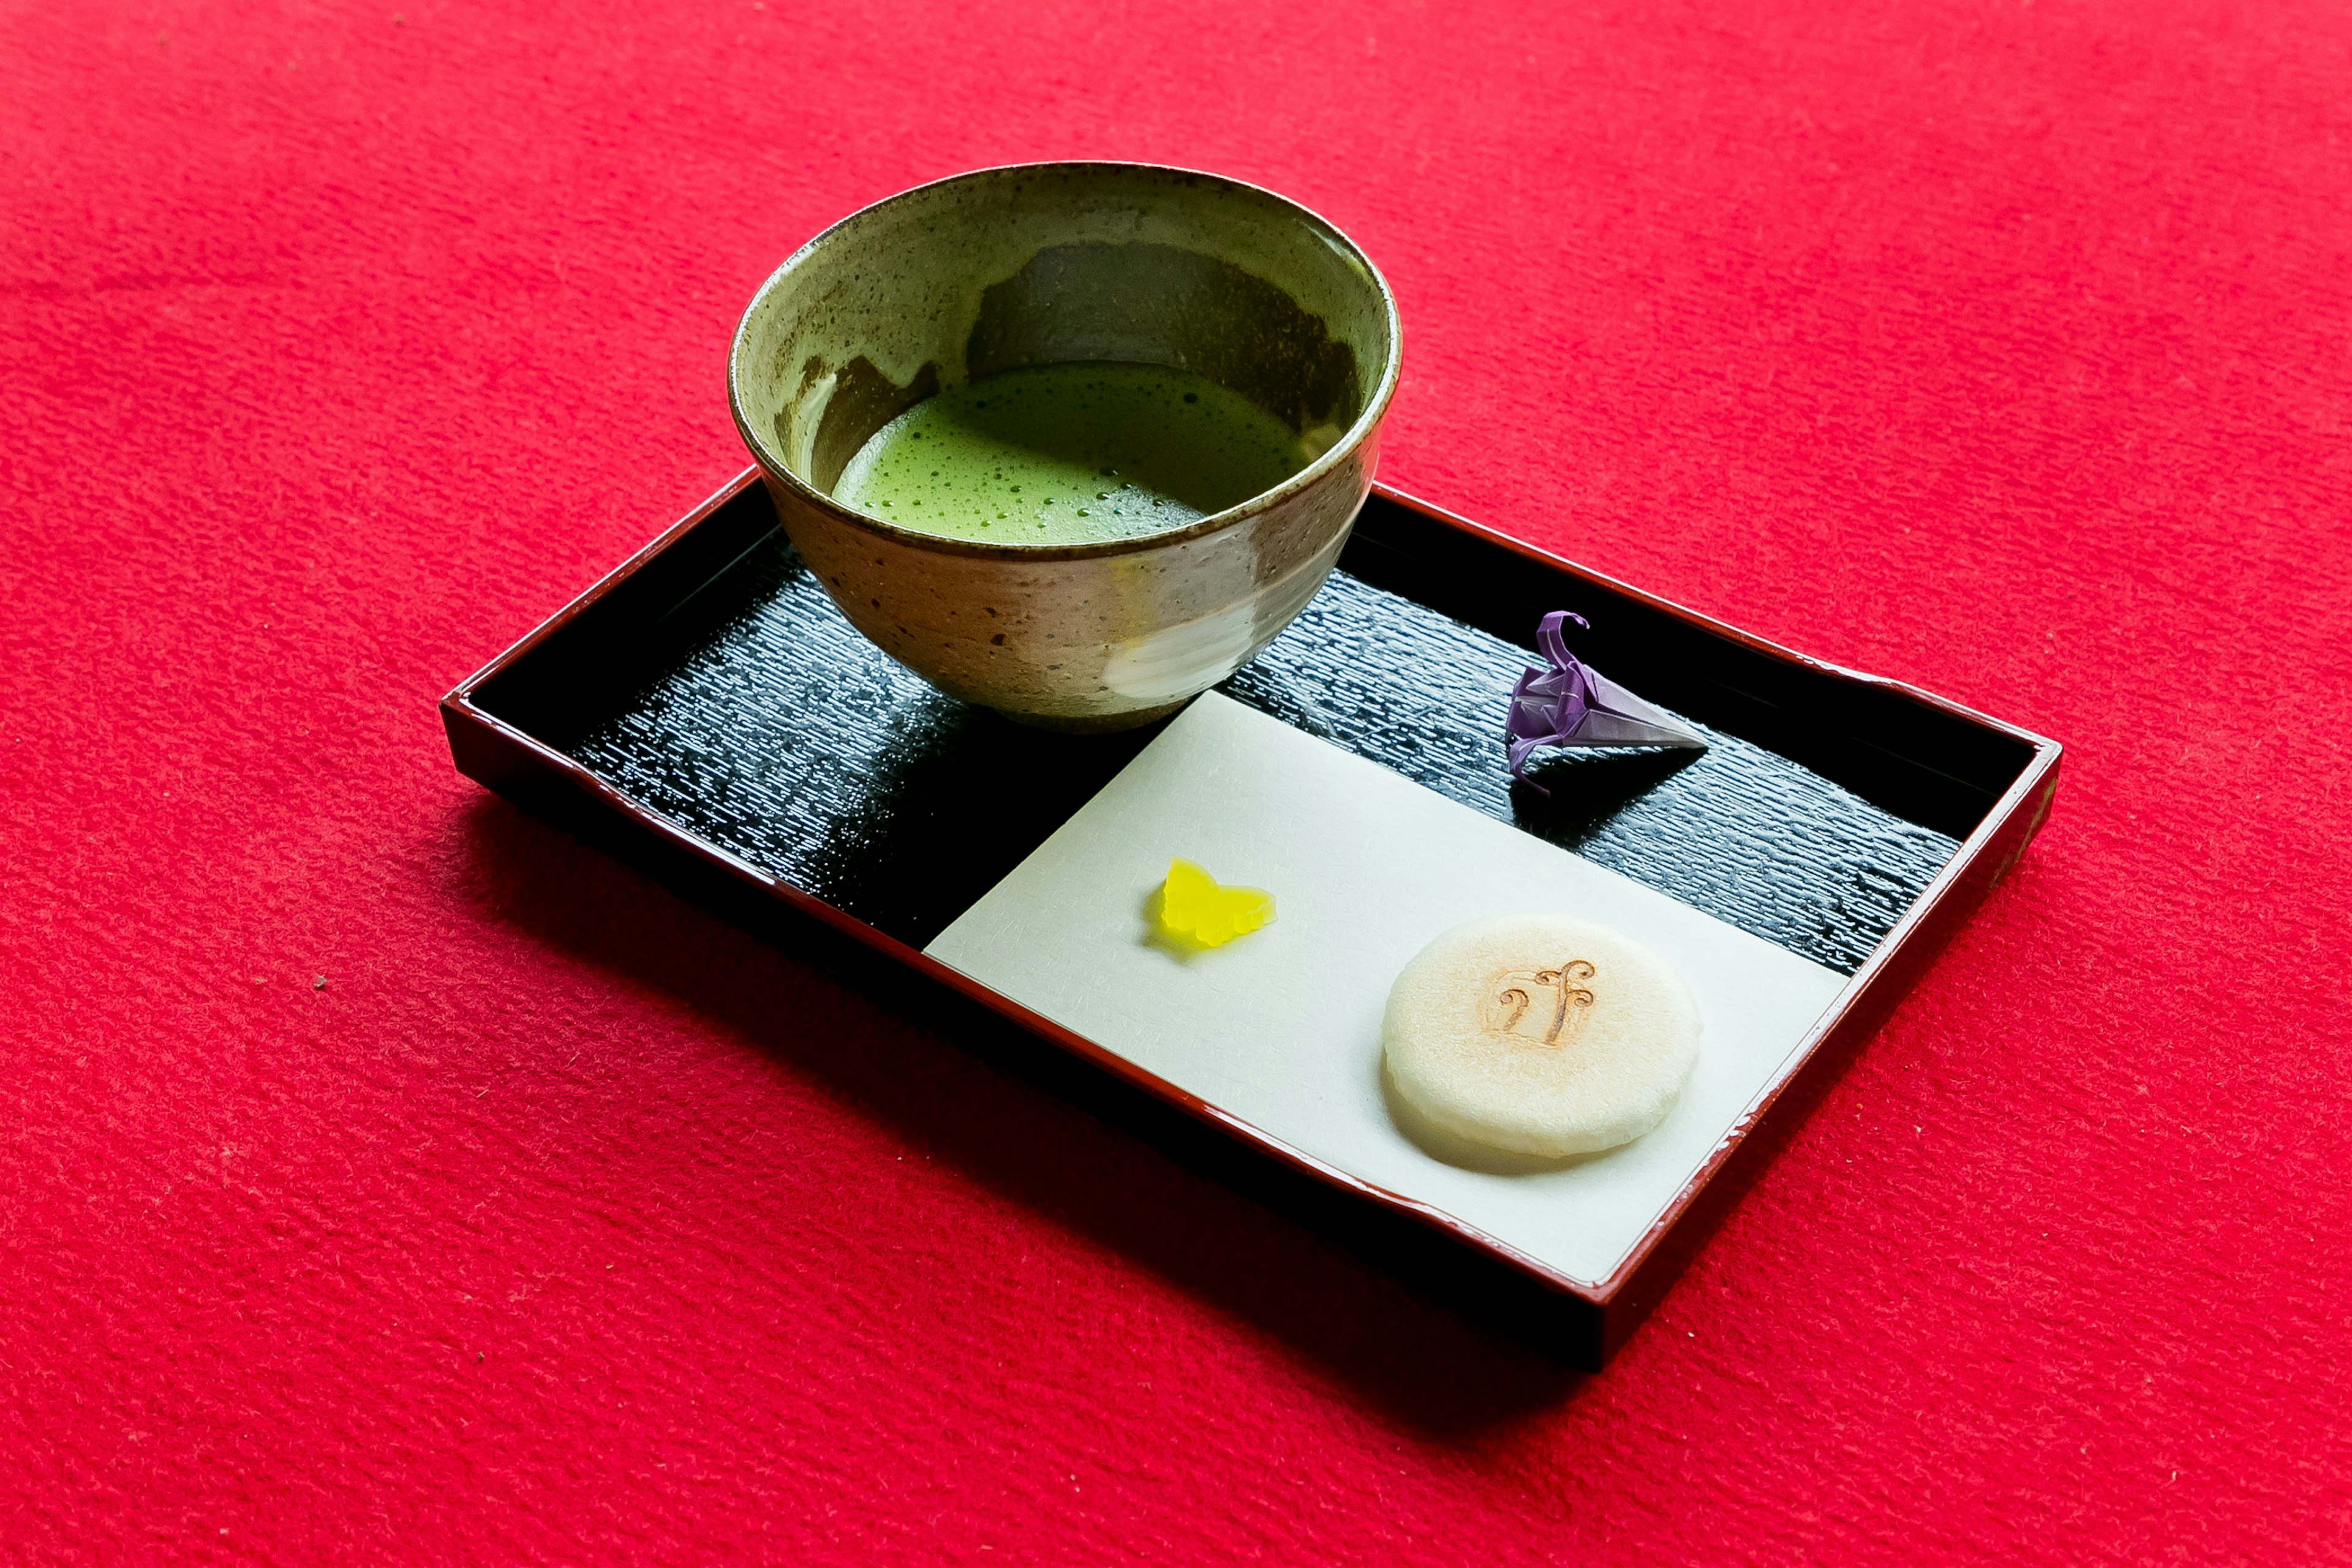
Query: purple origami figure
point(1572, 704)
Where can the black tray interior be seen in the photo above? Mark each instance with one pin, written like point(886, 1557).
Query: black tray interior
point(718, 687)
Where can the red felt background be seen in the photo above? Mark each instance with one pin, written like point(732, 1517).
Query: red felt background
point(1999, 346)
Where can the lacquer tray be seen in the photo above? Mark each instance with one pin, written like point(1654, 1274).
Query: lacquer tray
point(705, 712)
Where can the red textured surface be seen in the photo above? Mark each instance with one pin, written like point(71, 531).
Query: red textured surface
point(2002, 347)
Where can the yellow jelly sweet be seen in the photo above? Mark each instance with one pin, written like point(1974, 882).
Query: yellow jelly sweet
point(1197, 910)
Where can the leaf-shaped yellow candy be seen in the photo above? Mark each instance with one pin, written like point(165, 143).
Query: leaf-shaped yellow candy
point(1197, 910)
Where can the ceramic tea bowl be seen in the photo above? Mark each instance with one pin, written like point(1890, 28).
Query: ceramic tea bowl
point(1042, 264)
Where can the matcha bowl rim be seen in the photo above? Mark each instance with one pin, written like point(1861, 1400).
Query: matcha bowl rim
point(1367, 419)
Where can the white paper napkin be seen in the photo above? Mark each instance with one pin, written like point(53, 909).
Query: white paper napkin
point(1282, 1027)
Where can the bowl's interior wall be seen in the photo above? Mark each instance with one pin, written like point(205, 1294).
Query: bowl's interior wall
point(1162, 304)
point(967, 279)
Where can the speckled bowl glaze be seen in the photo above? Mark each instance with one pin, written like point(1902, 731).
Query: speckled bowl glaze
point(1045, 263)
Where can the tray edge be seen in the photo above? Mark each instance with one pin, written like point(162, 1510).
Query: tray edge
point(503, 758)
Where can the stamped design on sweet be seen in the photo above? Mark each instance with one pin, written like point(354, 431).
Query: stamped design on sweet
point(1536, 1034)
point(1546, 1006)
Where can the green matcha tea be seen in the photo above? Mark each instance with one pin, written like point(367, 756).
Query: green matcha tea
point(1070, 453)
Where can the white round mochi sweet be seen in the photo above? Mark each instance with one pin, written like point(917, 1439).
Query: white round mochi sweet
point(1540, 1035)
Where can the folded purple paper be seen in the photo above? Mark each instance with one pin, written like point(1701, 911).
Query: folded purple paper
point(1568, 703)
